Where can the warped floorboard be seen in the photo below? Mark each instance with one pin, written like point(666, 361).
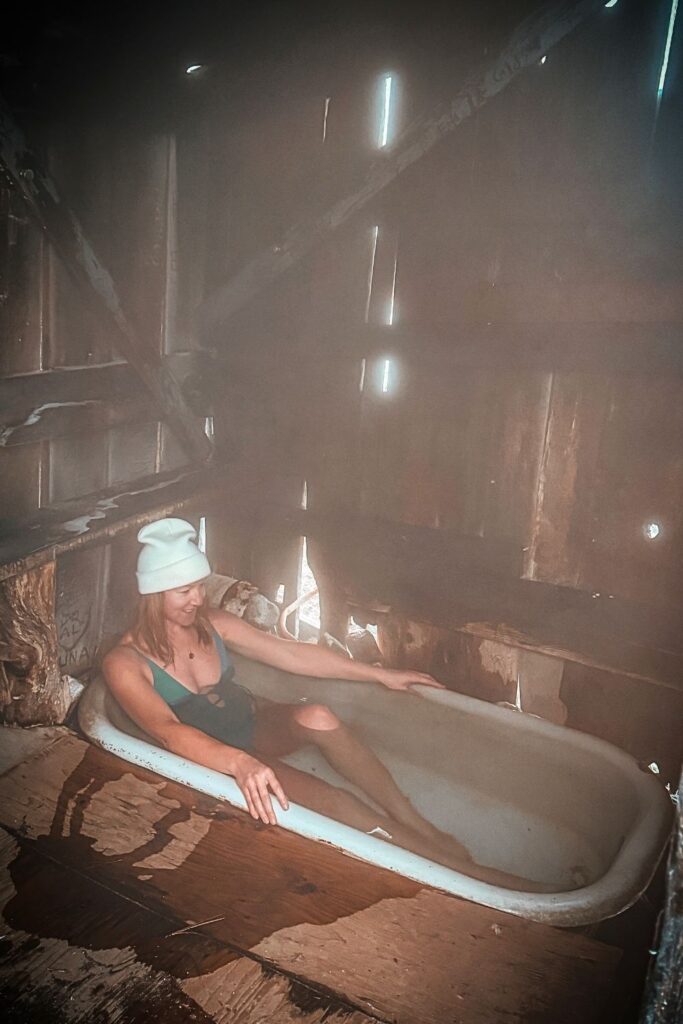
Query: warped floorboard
point(136, 897)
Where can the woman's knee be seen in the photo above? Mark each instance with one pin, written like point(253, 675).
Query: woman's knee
point(317, 717)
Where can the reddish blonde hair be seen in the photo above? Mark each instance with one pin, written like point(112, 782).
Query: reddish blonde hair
point(149, 628)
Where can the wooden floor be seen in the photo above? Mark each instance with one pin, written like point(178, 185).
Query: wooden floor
point(128, 898)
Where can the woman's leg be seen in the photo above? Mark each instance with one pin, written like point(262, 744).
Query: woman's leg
point(281, 729)
point(346, 808)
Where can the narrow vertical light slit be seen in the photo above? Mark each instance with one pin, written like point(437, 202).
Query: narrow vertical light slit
point(308, 613)
point(371, 272)
point(326, 111)
point(667, 50)
point(392, 301)
point(361, 382)
point(518, 695)
point(304, 495)
point(385, 376)
point(386, 111)
point(201, 536)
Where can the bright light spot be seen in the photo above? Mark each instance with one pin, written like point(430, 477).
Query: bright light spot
point(385, 376)
point(201, 535)
point(543, 58)
point(667, 49)
point(654, 768)
point(611, 3)
point(192, 69)
point(652, 530)
point(208, 427)
point(386, 111)
point(280, 595)
point(518, 694)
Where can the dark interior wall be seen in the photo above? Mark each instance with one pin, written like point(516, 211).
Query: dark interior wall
point(556, 205)
point(555, 211)
point(120, 183)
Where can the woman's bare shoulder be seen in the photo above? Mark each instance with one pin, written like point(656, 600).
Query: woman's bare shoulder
point(124, 656)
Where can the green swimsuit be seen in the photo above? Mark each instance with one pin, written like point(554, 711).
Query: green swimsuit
point(226, 711)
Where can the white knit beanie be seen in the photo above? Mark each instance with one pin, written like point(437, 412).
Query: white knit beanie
point(169, 558)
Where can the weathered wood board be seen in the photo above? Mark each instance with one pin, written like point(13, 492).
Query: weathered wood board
point(184, 863)
point(86, 961)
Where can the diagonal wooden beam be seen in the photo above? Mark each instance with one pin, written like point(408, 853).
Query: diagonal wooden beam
point(532, 39)
point(59, 223)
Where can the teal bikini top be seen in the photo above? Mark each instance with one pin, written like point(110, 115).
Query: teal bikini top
point(226, 711)
point(173, 692)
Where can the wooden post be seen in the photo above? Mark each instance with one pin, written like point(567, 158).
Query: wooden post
point(663, 1003)
point(32, 692)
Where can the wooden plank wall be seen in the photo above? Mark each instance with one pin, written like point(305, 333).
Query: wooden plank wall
point(122, 183)
point(547, 209)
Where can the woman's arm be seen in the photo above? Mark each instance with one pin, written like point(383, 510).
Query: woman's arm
point(307, 659)
point(126, 678)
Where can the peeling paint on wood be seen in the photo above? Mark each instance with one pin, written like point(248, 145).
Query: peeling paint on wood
point(67, 526)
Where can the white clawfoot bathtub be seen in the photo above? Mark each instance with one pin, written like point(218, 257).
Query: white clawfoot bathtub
point(525, 796)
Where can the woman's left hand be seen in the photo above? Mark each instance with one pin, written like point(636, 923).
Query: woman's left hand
point(398, 679)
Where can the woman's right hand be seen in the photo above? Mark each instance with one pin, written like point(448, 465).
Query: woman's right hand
point(257, 781)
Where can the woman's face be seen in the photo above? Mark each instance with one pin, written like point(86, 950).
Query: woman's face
point(181, 603)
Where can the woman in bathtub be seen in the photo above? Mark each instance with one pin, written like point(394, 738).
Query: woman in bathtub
point(173, 675)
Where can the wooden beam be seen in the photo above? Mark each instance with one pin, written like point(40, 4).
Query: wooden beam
point(59, 223)
point(663, 1002)
point(532, 39)
point(608, 347)
point(59, 403)
point(97, 518)
point(472, 585)
point(32, 691)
